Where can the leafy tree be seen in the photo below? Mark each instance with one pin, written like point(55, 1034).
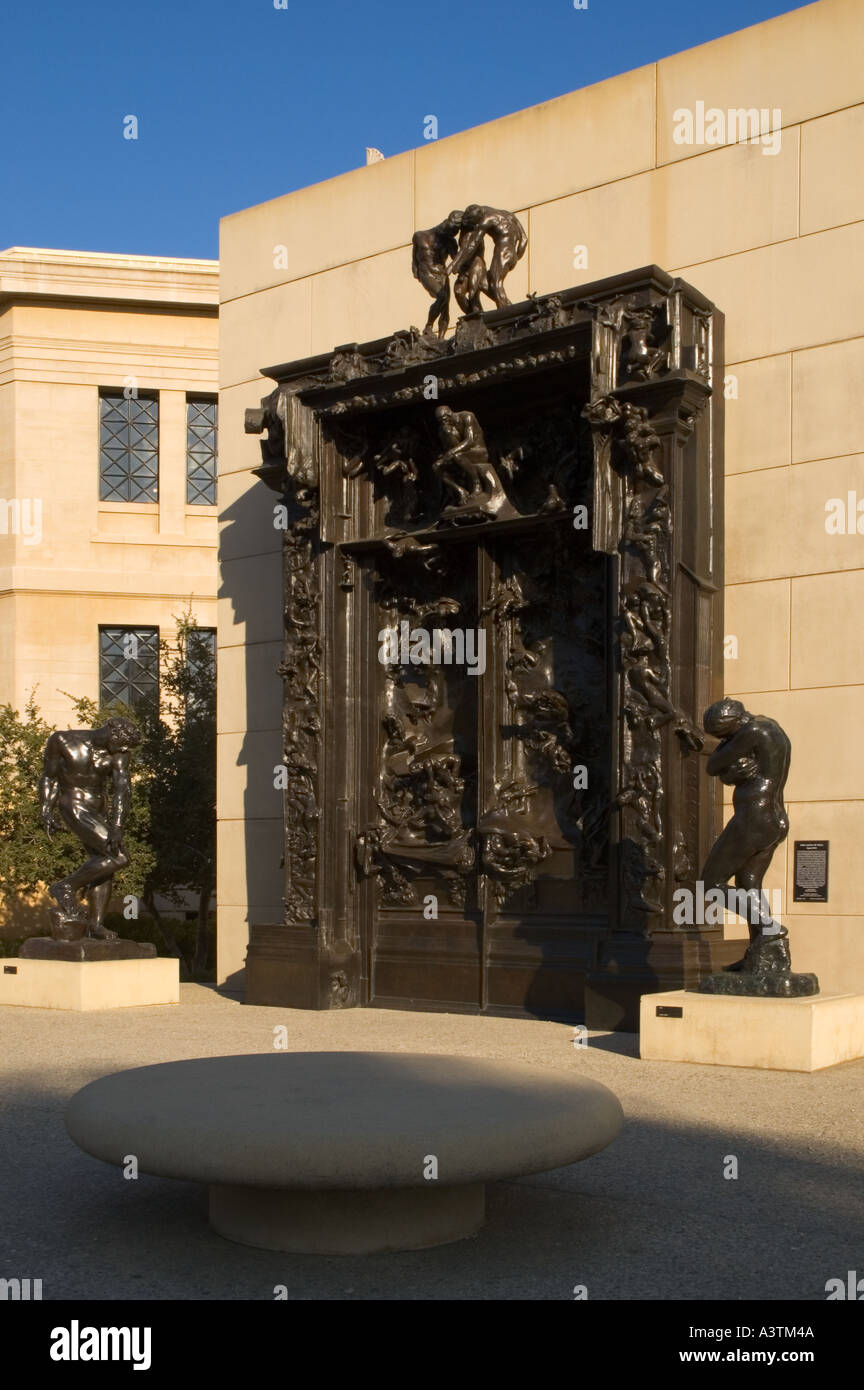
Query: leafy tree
point(180, 750)
point(27, 856)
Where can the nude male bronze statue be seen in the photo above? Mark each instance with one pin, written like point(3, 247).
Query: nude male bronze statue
point(430, 251)
point(471, 276)
point(465, 467)
point(509, 240)
point(86, 782)
point(753, 757)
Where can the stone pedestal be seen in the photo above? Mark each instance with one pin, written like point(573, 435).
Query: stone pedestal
point(85, 948)
point(83, 985)
point(347, 1223)
point(737, 1031)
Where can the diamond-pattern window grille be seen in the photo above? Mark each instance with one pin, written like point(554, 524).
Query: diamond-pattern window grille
point(201, 661)
point(206, 636)
point(129, 666)
point(129, 448)
point(201, 452)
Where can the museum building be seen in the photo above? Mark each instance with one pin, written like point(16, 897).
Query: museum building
point(108, 488)
point(680, 353)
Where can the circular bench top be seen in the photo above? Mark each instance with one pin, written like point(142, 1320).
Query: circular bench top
point(352, 1120)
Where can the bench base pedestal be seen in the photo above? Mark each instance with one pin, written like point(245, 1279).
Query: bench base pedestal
point(347, 1223)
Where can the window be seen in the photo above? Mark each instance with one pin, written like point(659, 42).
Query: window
point(201, 451)
point(129, 665)
point(129, 448)
point(201, 649)
point(201, 669)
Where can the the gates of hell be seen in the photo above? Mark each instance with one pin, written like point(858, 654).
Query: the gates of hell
point(503, 620)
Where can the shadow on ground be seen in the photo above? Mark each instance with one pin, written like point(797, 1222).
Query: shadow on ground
point(650, 1218)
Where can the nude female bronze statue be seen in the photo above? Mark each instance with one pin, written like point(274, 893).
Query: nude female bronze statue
point(86, 779)
point(753, 757)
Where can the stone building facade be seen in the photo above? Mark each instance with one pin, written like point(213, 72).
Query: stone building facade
point(646, 168)
point(108, 513)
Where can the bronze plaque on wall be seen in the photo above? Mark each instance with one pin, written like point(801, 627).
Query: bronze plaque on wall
point(811, 871)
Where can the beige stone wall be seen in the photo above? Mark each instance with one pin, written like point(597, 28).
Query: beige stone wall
point(776, 239)
point(71, 323)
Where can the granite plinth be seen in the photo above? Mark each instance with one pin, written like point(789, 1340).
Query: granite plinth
point(764, 972)
point(86, 948)
point(790, 986)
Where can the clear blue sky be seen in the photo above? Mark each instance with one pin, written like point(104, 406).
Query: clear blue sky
point(238, 102)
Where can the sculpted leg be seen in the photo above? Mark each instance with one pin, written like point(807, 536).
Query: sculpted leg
point(99, 896)
point(439, 288)
point(749, 879)
point(495, 277)
point(728, 855)
point(94, 874)
point(65, 898)
point(469, 286)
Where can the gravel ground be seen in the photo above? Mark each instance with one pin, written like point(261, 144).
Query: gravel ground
point(652, 1217)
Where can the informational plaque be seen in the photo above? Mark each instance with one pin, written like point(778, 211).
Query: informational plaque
point(811, 871)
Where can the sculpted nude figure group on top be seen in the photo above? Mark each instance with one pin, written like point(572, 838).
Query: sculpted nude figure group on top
point(455, 247)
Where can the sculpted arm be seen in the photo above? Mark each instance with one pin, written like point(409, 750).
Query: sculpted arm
point(740, 745)
point(468, 435)
point(468, 250)
point(49, 783)
point(122, 789)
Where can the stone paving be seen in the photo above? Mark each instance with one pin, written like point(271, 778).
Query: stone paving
point(652, 1217)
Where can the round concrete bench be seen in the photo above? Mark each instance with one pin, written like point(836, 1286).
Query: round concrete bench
point(343, 1152)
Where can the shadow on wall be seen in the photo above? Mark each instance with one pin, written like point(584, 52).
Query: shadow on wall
point(250, 568)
